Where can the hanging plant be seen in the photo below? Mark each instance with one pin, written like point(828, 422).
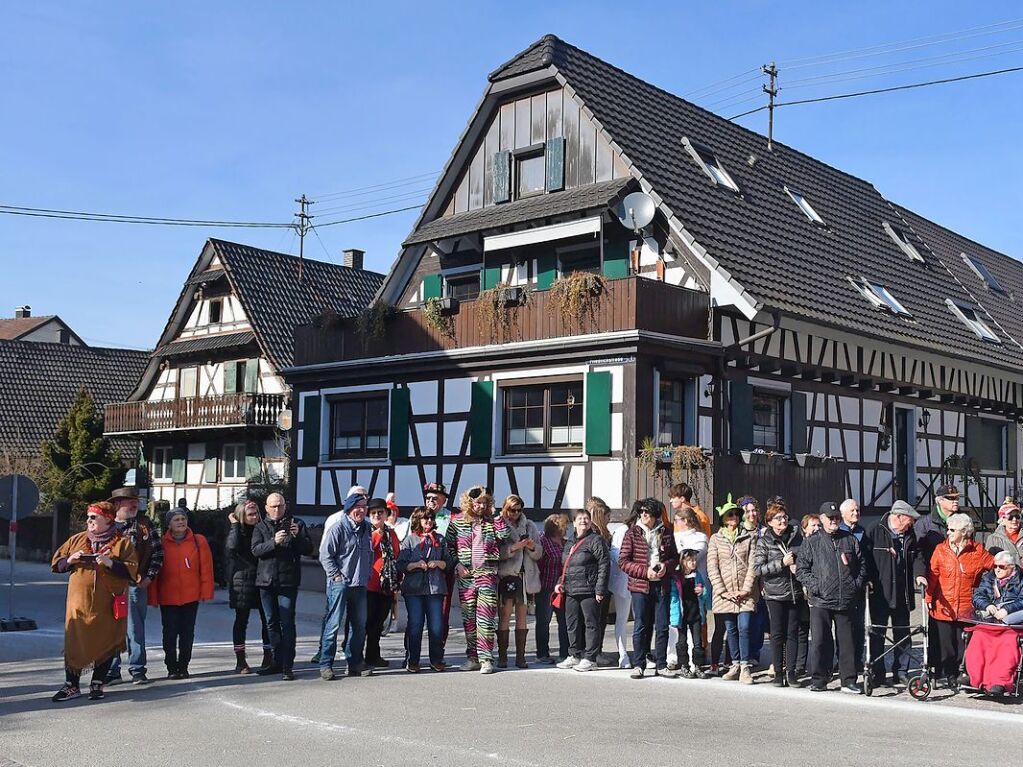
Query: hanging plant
point(494, 309)
point(372, 323)
point(578, 296)
point(685, 463)
point(437, 318)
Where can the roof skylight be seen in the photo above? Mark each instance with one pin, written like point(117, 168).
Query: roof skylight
point(981, 271)
point(710, 165)
point(879, 296)
point(971, 318)
point(902, 240)
point(805, 206)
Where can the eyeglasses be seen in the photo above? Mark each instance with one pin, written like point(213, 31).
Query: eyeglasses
point(1004, 567)
point(426, 519)
point(515, 509)
point(93, 517)
point(476, 492)
point(1013, 517)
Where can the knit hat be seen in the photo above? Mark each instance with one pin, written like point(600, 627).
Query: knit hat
point(728, 507)
point(175, 512)
point(352, 501)
point(903, 508)
point(1007, 505)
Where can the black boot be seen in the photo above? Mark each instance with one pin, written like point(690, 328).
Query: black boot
point(270, 665)
point(520, 648)
point(240, 666)
point(268, 660)
point(502, 648)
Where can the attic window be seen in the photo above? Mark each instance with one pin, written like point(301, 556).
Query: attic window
point(710, 164)
point(805, 206)
point(902, 240)
point(971, 319)
point(879, 296)
point(216, 311)
point(530, 172)
point(982, 271)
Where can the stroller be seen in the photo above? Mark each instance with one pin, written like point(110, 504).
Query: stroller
point(919, 683)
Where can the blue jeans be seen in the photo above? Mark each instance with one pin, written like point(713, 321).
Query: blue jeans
point(137, 596)
point(544, 611)
point(651, 614)
point(759, 623)
point(279, 608)
point(342, 598)
point(428, 609)
point(737, 631)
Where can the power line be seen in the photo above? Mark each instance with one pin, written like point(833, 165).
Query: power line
point(881, 90)
point(407, 181)
point(369, 203)
point(16, 210)
point(702, 92)
point(371, 215)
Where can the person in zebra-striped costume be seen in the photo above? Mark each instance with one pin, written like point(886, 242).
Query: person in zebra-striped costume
point(474, 537)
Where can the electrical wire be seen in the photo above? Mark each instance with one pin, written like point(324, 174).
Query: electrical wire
point(17, 210)
point(881, 90)
point(371, 215)
point(703, 92)
point(382, 186)
point(374, 201)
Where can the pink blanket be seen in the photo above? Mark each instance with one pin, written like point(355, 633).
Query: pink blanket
point(992, 655)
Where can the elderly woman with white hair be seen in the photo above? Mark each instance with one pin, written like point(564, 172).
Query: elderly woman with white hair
point(999, 596)
point(955, 570)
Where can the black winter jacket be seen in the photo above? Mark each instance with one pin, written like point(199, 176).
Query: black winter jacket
point(588, 569)
point(831, 568)
point(780, 584)
point(279, 566)
point(241, 568)
point(879, 554)
point(931, 532)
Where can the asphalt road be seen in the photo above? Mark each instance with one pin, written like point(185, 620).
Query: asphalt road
point(541, 717)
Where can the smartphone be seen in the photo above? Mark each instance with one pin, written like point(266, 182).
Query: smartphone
point(88, 557)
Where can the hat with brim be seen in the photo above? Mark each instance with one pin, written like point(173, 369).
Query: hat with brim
point(829, 509)
point(903, 508)
point(124, 494)
point(948, 492)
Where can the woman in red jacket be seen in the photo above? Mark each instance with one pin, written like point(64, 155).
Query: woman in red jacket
point(955, 569)
point(383, 581)
point(185, 579)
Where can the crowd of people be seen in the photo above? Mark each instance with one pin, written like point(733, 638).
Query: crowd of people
point(810, 584)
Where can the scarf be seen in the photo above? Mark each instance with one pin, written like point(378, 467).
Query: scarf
point(98, 540)
point(429, 541)
point(731, 534)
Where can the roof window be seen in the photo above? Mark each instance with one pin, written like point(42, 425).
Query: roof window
point(902, 240)
point(981, 271)
point(710, 164)
point(971, 319)
point(805, 206)
point(879, 296)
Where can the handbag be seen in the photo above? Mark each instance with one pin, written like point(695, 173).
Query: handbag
point(120, 606)
point(558, 597)
point(509, 585)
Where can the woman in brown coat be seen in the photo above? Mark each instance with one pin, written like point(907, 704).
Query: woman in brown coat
point(734, 583)
point(102, 564)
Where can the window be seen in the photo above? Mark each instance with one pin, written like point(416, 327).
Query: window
point(543, 417)
point(969, 317)
point(982, 271)
point(805, 206)
point(232, 462)
point(358, 427)
point(216, 310)
point(671, 411)
point(986, 443)
point(162, 466)
point(706, 159)
point(464, 287)
point(579, 258)
point(530, 174)
point(768, 422)
point(188, 382)
point(902, 240)
point(879, 296)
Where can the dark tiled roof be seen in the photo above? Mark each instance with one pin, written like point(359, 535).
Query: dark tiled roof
point(493, 216)
point(539, 55)
point(760, 238)
point(276, 303)
point(209, 275)
point(42, 379)
point(205, 343)
point(16, 327)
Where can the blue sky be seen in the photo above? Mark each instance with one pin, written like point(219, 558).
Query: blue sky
point(229, 110)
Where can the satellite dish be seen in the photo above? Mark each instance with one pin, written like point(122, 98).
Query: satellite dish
point(636, 211)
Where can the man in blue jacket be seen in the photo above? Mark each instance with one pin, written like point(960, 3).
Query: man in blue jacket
point(346, 554)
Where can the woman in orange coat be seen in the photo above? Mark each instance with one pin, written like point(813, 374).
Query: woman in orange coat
point(185, 579)
point(955, 569)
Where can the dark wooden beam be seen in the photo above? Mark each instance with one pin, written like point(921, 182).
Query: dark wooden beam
point(865, 384)
point(847, 381)
point(925, 394)
point(885, 386)
point(947, 399)
point(907, 391)
point(827, 376)
point(789, 369)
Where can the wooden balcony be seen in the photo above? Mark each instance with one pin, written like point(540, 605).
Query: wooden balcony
point(193, 413)
point(631, 303)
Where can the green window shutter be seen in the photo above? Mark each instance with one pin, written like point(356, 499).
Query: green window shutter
point(209, 464)
point(491, 276)
point(398, 426)
point(254, 461)
point(179, 462)
point(598, 413)
point(311, 431)
point(481, 419)
point(432, 286)
point(555, 151)
point(252, 376)
point(741, 416)
point(546, 270)
point(616, 259)
point(231, 377)
point(797, 406)
point(502, 177)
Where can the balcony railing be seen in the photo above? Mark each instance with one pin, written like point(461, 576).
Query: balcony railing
point(193, 413)
point(630, 303)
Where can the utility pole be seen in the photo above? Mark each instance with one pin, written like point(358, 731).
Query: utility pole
point(772, 91)
point(302, 227)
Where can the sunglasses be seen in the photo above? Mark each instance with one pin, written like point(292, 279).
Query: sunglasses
point(476, 492)
point(1004, 567)
point(93, 517)
point(1015, 517)
point(430, 518)
point(516, 509)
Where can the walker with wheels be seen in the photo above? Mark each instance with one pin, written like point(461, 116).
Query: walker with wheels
point(919, 682)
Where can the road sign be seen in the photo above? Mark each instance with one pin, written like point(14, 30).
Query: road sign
point(19, 497)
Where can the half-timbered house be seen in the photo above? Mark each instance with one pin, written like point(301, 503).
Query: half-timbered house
point(211, 408)
point(813, 338)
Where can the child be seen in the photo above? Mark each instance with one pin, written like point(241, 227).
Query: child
point(690, 600)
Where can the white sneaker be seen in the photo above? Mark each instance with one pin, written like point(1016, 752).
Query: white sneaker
point(470, 665)
point(585, 665)
point(569, 662)
point(487, 667)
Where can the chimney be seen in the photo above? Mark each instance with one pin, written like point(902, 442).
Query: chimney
point(353, 258)
point(24, 312)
